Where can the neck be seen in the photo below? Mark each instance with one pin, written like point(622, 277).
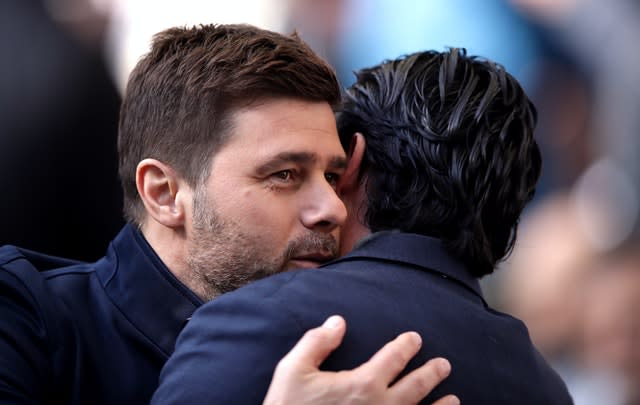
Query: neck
point(354, 228)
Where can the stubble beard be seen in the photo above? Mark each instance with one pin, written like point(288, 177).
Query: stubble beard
point(222, 258)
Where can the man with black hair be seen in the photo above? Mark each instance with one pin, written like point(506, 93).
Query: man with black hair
point(442, 161)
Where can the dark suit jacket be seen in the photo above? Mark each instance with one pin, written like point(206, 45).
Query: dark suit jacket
point(80, 333)
point(392, 283)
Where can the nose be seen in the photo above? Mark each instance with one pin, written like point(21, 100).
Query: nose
point(323, 211)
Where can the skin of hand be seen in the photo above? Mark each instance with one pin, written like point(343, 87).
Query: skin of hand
point(297, 379)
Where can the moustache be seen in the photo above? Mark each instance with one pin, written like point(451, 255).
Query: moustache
point(312, 243)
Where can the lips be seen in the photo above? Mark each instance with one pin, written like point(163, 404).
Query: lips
point(311, 250)
point(312, 259)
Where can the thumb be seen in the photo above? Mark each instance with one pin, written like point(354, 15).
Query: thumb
point(316, 344)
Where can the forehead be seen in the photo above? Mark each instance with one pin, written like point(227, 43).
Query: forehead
point(284, 125)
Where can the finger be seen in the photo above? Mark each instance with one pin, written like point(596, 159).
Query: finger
point(316, 344)
point(448, 400)
point(389, 361)
point(413, 387)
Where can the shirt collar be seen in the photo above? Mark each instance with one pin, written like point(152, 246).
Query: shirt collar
point(416, 250)
point(144, 289)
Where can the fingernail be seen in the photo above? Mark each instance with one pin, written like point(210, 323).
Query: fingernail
point(453, 401)
point(332, 322)
point(444, 367)
point(415, 336)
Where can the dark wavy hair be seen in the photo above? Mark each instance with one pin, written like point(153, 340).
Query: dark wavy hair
point(450, 151)
point(181, 95)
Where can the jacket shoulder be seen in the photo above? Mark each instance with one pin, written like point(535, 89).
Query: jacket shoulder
point(35, 335)
point(13, 257)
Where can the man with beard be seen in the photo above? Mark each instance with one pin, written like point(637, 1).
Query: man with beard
point(442, 161)
point(229, 160)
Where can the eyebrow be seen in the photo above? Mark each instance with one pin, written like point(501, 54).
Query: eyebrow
point(301, 158)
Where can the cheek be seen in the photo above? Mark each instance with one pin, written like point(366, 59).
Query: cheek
point(262, 216)
point(275, 221)
point(336, 234)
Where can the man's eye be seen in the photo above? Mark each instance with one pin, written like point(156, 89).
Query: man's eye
point(283, 175)
point(332, 178)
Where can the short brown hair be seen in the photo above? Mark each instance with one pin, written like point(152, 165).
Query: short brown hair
point(181, 95)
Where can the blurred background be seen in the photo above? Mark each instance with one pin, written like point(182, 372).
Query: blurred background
point(574, 277)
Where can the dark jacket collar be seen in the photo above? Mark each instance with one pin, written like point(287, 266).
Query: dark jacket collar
point(416, 250)
point(144, 290)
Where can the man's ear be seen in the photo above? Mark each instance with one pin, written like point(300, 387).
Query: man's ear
point(162, 192)
point(350, 178)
